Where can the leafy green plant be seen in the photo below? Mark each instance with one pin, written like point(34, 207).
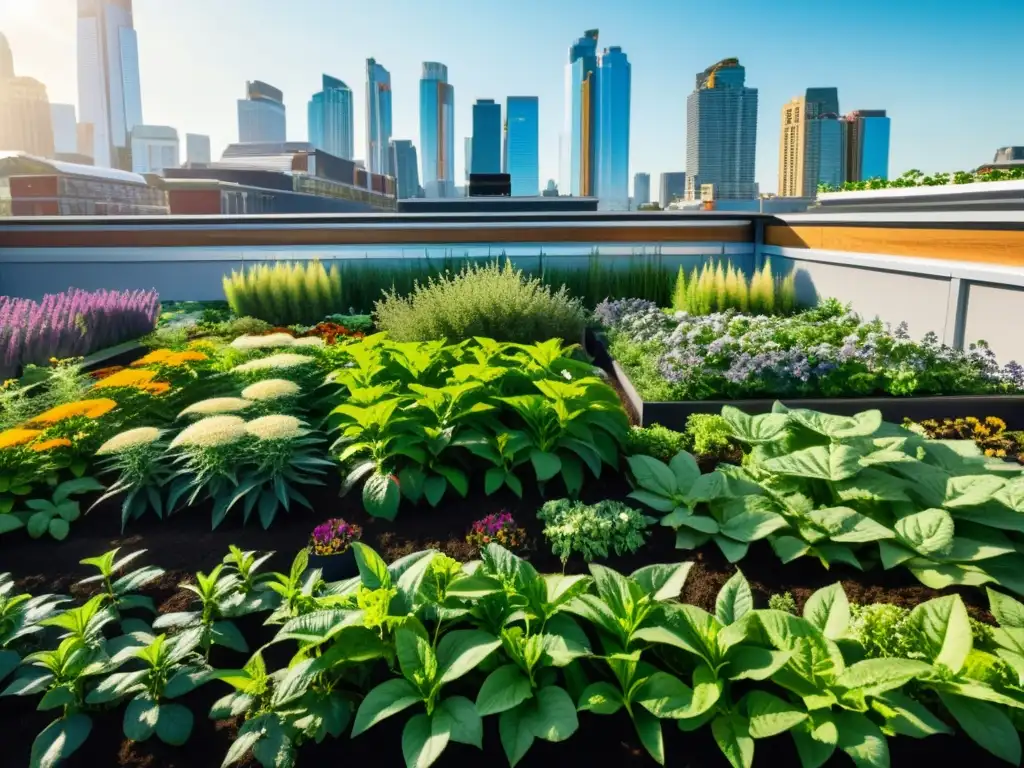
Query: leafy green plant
point(54, 516)
point(717, 288)
point(660, 442)
point(219, 599)
point(708, 434)
point(782, 601)
point(20, 620)
point(285, 293)
point(593, 530)
point(119, 590)
point(137, 457)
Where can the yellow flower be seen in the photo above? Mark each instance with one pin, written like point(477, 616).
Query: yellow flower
point(156, 356)
point(141, 380)
point(91, 409)
point(48, 445)
point(180, 358)
point(10, 438)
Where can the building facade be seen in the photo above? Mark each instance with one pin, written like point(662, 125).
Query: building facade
point(521, 150)
point(581, 121)
point(811, 143)
point(261, 114)
point(641, 189)
point(437, 131)
point(25, 120)
point(330, 120)
point(614, 85)
point(721, 133)
point(197, 148)
point(109, 87)
point(671, 185)
point(468, 156)
point(866, 138)
point(406, 165)
point(155, 148)
point(486, 144)
point(65, 129)
point(6, 59)
point(378, 118)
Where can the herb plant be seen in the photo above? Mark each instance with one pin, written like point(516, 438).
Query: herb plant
point(593, 530)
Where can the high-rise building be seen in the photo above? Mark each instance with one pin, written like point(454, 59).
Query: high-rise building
point(65, 129)
point(641, 188)
point(811, 144)
point(330, 119)
point(197, 148)
point(6, 59)
point(109, 88)
point(614, 81)
point(486, 136)
point(378, 118)
point(522, 144)
point(407, 175)
point(721, 133)
point(468, 155)
point(866, 138)
point(86, 134)
point(261, 114)
point(581, 121)
point(25, 121)
point(671, 185)
point(154, 148)
point(437, 130)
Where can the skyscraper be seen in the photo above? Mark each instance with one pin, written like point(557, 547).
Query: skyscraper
point(330, 119)
point(614, 81)
point(109, 89)
point(581, 99)
point(671, 185)
point(407, 176)
point(197, 148)
point(866, 138)
point(437, 130)
point(486, 136)
point(154, 148)
point(522, 140)
point(378, 119)
point(261, 114)
point(641, 189)
point(65, 129)
point(811, 144)
point(468, 155)
point(721, 133)
point(25, 121)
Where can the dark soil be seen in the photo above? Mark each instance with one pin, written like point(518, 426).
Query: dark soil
point(185, 544)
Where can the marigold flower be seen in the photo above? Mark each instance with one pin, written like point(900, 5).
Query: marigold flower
point(91, 409)
point(156, 356)
point(49, 445)
point(134, 379)
point(11, 438)
point(129, 439)
point(271, 389)
point(211, 432)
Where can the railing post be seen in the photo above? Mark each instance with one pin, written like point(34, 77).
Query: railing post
point(758, 244)
point(956, 313)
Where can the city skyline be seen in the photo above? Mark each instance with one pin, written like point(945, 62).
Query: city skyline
point(660, 82)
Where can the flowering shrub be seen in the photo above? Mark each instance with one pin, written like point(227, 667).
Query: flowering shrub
point(593, 530)
point(989, 434)
point(499, 528)
point(90, 409)
point(72, 323)
point(827, 351)
point(334, 537)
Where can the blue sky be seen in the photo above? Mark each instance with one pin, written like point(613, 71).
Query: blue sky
point(949, 73)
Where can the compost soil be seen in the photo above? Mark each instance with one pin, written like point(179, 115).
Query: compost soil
point(184, 544)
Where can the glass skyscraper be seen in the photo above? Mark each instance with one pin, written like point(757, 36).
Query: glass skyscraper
point(378, 119)
point(613, 130)
point(330, 119)
point(261, 115)
point(721, 133)
point(866, 138)
point(641, 189)
point(437, 131)
point(581, 120)
point(109, 87)
point(403, 160)
point(486, 146)
point(521, 150)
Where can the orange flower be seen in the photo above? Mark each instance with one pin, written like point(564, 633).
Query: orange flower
point(157, 387)
point(91, 409)
point(127, 378)
point(102, 373)
point(156, 356)
point(180, 358)
point(10, 438)
point(48, 445)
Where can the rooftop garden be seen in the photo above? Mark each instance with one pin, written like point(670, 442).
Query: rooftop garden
point(433, 534)
point(915, 178)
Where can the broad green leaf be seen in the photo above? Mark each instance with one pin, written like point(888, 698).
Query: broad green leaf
point(504, 688)
point(763, 428)
point(140, 717)
point(768, 715)
point(971, 490)
point(387, 699)
point(425, 737)
point(662, 581)
point(753, 524)
point(648, 728)
point(789, 548)
point(59, 740)
point(834, 463)
point(862, 740)
point(872, 677)
point(847, 526)
point(829, 610)
point(466, 725)
point(516, 735)
point(381, 496)
point(688, 627)
point(472, 586)
point(945, 630)
point(749, 662)
point(733, 550)
point(552, 715)
point(930, 532)
point(815, 739)
point(734, 599)
point(815, 659)
point(838, 427)
point(1007, 611)
point(653, 476)
point(906, 716)
point(462, 650)
point(685, 469)
point(666, 696)
point(987, 725)
point(872, 485)
point(373, 571)
point(653, 500)
point(546, 465)
point(601, 698)
point(174, 725)
point(733, 737)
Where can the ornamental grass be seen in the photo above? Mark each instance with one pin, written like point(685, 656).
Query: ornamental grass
point(282, 361)
point(216, 405)
point(276, 427)
point(271, 389)
point(126, 441)
point(211, 432)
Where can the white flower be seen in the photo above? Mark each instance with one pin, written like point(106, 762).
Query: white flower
point(211, 432)
point(281, 360)
point(129, 439)
point(263, 342)
point(308, 341)
point(271, 389)
point(566, 375)
point(276, 427)
point(215, 405)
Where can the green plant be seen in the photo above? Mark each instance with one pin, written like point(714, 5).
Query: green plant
point(660, 442)
point(782, 602)
point(137, 456)
point(618, 277)
point(20, 619)
point(285, 293)
point(593, 530)
point(708, 435)
point(219, 599)
point(717, 288)
point(54, 516)
point(119, 591)
point(492, 300)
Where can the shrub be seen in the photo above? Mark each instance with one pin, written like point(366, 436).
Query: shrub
point(657, 441)
point(718, 287)
point(285, 293)
point(71, 324)
point(707, 434)
point(492, 301)
point(782, 602)
point(593, 530)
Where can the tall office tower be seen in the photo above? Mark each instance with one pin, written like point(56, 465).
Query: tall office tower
point(866, 139)
point(330, 119)
point(721, 133)
point(581, 127)
point(468, 155)
point(109, 89)
point(261, 114)
point(522, 144)
point(197, 148)
point(6, 59)
point(65, 129)
point(613, 130)
point(154, 148)
point(811, 143)
point(641, 188)
point(437, 130)
point(486, 136)
point(407, 175)
point(671, 185)
point(25, 121)
point(378, 119)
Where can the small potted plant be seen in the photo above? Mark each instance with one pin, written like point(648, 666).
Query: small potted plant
point(499, 528)
point(330, 549)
